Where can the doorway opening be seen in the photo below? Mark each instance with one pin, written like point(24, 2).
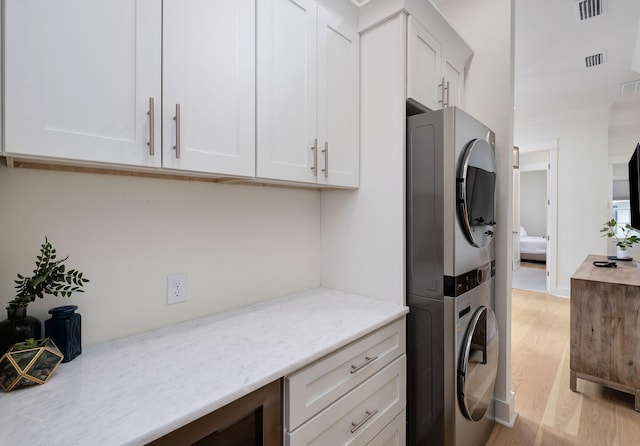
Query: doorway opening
point(535, 210)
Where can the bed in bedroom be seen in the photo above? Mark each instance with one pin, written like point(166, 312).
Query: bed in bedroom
point(532, 247)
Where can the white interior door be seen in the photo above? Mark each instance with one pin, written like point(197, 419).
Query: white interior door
point(78, 77)
point(209, 70)
point(516, 219)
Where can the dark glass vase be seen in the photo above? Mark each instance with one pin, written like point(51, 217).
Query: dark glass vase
point(18, 327)
point(64, 328)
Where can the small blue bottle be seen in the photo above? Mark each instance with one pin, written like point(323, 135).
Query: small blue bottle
point(64, 328)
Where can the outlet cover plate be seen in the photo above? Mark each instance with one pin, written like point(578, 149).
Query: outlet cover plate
point(176, 288)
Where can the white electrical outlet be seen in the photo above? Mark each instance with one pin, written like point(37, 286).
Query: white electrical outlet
point(176, 288)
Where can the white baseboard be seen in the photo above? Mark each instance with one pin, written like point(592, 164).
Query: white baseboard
point(562, 292)
point(505, 411)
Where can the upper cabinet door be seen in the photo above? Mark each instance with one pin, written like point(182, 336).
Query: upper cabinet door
point(79, 76)
point(209, 72)
point(338, 102)
point(286, 80)
point(453, 72)
point(424, 70)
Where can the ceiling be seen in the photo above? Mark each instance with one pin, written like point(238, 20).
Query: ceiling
point(551, 45)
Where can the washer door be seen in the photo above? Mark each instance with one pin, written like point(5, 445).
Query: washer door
point(476, 192)
point(478, 364)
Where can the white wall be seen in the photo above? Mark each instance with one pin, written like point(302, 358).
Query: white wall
point(363, 230)
point(536, 160)
point(238, 244)
point(624, 131)
point(487, 26)
point(583, 183)
point(533, 202)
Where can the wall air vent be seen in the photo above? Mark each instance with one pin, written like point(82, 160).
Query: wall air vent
point(630, 88)
point(595, 59)
point(587, 9)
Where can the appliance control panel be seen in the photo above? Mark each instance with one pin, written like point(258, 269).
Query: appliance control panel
point(455, 286)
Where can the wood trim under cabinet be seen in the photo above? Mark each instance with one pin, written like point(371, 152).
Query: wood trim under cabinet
point(20, 163)
point(267, 398)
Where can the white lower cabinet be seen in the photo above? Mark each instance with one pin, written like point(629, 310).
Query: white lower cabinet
point(354, 396)
point(394, 433)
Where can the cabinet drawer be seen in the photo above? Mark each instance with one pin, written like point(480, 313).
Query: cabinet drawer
point(394, 433)
point(356, 418)
point(313, 388)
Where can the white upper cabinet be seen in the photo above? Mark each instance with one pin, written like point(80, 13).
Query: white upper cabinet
point(453, 73)
point(78, 78)
point(286, 96)
point(308, 95)
point(338, 102)
point(424, 70)
point(101, 81)
point(435, 74)
point(209, 74)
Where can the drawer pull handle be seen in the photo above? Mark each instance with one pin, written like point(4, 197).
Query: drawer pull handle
point(367, 360)
point(367, 417)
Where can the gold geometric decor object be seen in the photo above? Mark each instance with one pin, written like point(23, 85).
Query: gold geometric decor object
point(28, 363)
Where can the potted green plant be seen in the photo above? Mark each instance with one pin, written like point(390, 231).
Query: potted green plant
point(49, 277)
point(625, 239)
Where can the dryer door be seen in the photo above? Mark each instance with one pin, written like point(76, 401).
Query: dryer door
point(476, 192)
point(478, 364)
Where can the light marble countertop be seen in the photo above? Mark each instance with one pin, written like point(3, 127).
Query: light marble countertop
point(133, 390)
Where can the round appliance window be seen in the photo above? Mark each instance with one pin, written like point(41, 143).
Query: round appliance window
point(476, 192)
point(478, 364)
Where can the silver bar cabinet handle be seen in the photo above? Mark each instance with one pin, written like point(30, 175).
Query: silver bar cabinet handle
point(177, 119)
point(367, 360)
point(447, 104)
point(358, 425)
point(326, 160)
point(152, 130)
point(441, 101)
point(315, 157)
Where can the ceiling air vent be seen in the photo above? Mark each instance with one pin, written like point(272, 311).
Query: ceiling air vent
point(630, 88)
point(595, 59)
point(587, 9)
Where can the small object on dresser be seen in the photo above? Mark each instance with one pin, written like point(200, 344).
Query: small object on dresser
point(28, 363)
point(64, 328)
point(624, 235)
point(603, 264)
point(624, 259)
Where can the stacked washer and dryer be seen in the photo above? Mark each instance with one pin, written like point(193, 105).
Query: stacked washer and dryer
point(452, 335)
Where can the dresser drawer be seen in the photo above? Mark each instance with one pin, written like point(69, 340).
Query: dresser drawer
point(313, 388)
point(393, 434)
point(360, 415)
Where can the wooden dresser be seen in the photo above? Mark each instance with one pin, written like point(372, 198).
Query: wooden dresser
point(605, 325)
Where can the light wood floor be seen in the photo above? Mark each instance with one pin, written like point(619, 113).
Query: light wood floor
point(549, 413)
